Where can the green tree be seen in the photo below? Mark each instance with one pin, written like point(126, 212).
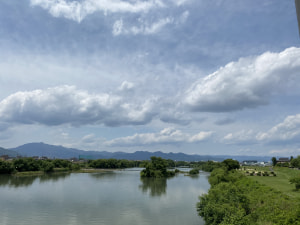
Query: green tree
point(231, 164)
point(296, 162)
point(274, 161)
point(224, 204)
point(47, 166)
point(6, 167)
point(194, 171)
point(26, 164)
point(157, 167)
point(296, 181)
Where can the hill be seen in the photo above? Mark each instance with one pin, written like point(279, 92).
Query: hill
point(10, 153)
point(53, 151)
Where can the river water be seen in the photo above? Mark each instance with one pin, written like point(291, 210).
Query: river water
point(106, 198)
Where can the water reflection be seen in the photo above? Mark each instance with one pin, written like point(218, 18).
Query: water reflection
point(26, 181)
point(103, 174)
point(194, 176)
point(53, 177)
point(12, 181)
point(155, 186)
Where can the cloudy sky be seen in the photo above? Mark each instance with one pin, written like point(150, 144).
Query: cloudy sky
point(191, 76)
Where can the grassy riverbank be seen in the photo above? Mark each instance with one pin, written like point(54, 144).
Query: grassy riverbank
point(280, 182)
point(237, 198)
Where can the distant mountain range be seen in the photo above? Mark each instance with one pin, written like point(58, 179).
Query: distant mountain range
point(53, 151)
point(10, 153)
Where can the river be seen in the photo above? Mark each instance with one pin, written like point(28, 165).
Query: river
point(106, 198)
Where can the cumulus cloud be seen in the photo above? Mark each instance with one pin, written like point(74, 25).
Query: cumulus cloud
point(241, 137)
point(247, 83)
point(68, 105)
point(78, 10)
point(288, 130)
point(165, 136)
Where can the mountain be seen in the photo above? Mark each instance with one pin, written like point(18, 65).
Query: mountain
point(53, 151)
point(10, 153)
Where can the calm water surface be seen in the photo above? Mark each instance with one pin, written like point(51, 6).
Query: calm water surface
point(108, 198)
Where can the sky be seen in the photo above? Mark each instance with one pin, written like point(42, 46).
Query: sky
point(194, 76)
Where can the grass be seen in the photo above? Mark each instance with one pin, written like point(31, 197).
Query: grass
point(281, 181)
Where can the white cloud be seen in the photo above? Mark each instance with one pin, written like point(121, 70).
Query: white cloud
point(126, 86)
point(68, 105)
point(144, 28)
point(77, 11)
point(285, 152)
point(165, 136)
point(288, 130)
point(118, 27)
point(247, 83)
point(153, 28)
point(241, 137)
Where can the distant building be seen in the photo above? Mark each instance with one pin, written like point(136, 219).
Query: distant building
point(86, 157)
point(249, 163)
point(283, 160)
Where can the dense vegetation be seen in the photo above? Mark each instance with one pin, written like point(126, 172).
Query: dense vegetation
point(157, 168)
point(112, 164)
point(31, 164)
point(295, 162)
point(236, 199)
point(194, 171)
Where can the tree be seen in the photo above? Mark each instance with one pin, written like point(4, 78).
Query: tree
point(296, 162)
point(157, 167)
point(231, 164)
point(6, 167)
point(274, 161)
point(194, 171)
point(296, 181)
point(224, 204)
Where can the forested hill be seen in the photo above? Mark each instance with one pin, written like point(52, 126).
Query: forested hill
point(10, 153)
point(53, 151)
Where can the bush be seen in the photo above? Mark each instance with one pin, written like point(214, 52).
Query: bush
point(243, 201)
point(6, 167)
point(156, 168)
point(296, 181)
point(194, 171)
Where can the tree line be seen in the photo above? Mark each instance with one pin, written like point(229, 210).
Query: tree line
point(48, 165)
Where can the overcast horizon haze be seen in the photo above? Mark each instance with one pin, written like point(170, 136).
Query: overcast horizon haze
point(206, 77)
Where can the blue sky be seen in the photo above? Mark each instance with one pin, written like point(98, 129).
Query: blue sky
point(199, 77)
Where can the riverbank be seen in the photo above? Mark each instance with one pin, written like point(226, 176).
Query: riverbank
point(280, 181)
point(237, 199)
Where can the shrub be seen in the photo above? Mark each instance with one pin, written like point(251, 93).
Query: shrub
point(194, 171)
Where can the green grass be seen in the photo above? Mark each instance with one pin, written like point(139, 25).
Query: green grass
point(281, 181)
